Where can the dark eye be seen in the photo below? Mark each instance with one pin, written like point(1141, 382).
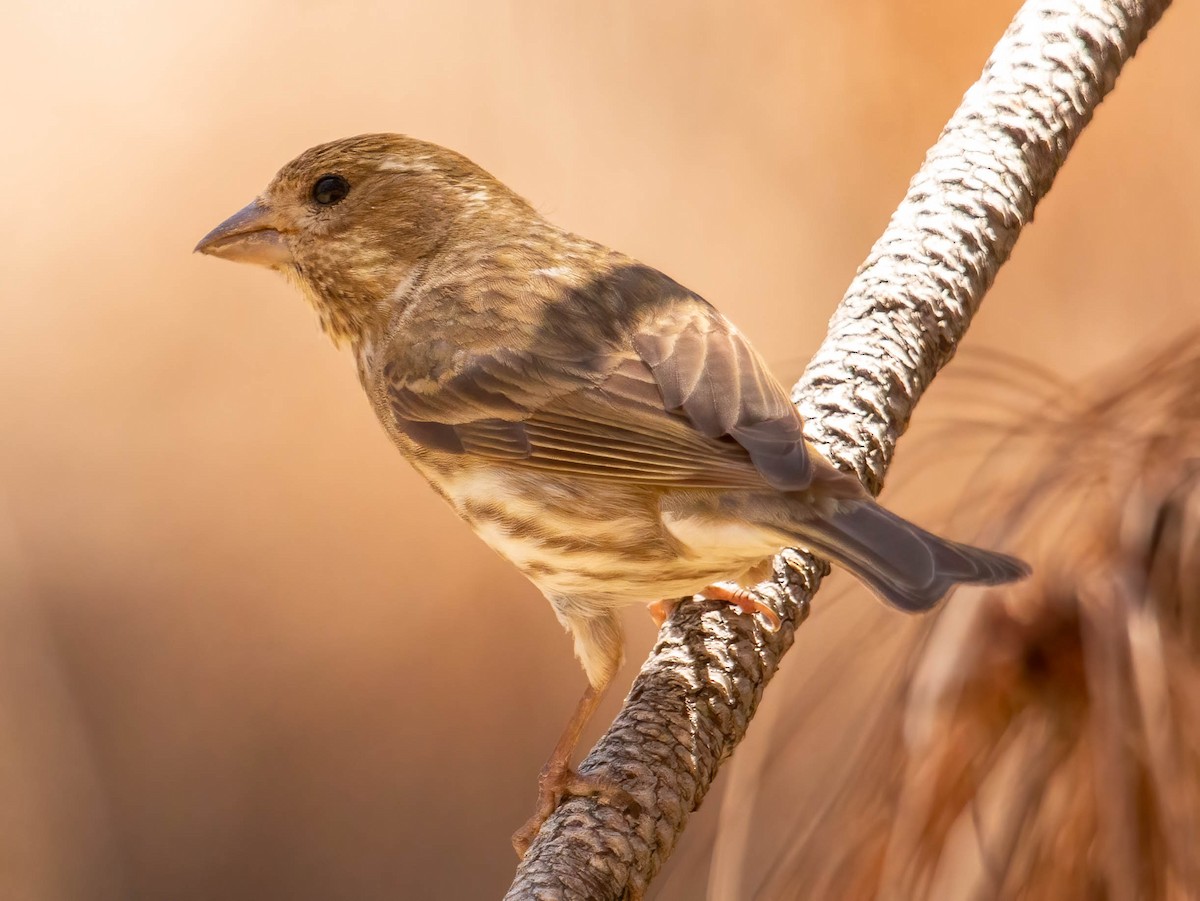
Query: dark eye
point(329, 189)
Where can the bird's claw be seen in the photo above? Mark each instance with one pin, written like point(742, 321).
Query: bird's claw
point(660, 611)
point(745, 600)
point(557, 782)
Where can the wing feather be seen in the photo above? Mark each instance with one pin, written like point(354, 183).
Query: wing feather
point(680, 398)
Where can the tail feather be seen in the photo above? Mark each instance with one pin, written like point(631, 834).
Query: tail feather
point(906, 566)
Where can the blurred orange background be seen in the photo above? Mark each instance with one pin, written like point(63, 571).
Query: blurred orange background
point(244, 651)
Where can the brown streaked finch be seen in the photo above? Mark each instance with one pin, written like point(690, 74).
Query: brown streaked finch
point(598, 424)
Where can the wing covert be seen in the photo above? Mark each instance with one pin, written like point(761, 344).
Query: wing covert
point(677, 398)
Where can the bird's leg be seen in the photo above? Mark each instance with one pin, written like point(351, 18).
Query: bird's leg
point(744, 599)
point(558, 780)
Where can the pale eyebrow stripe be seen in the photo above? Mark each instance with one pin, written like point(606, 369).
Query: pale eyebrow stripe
point(420, 166)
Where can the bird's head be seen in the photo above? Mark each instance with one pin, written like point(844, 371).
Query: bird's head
point(354, 221)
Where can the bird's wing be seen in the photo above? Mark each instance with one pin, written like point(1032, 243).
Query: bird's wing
point(682, 399)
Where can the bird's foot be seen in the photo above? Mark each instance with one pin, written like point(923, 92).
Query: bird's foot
point(744, 599)
point(557, 782)
point(660, 611)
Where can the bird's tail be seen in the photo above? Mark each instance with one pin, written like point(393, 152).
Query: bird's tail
point(902, 563)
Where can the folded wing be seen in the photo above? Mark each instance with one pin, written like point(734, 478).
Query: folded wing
point(677, 397)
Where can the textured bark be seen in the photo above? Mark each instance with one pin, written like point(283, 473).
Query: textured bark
point(898, 324)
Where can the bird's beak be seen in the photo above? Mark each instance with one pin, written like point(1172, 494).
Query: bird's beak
point(248, 236)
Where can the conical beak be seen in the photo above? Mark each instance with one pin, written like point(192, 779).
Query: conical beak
point(248, 236)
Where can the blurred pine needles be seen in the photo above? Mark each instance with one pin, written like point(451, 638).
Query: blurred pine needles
point(1036, 742)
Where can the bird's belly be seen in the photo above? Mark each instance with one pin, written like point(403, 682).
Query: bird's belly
point(726, 544)
point(577, 538)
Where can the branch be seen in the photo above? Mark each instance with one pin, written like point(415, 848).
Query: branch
point(899, 323)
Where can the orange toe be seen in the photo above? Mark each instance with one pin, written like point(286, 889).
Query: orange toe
point(744, 599)
point(660, 611)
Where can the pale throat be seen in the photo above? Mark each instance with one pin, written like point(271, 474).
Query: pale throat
point(354, 310)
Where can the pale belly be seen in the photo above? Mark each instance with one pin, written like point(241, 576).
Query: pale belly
point(609, 545)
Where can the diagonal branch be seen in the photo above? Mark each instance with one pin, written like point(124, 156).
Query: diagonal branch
point(899, 323)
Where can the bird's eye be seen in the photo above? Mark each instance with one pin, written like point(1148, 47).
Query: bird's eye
point(329, 189)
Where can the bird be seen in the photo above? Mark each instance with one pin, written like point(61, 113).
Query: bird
point(601, 426)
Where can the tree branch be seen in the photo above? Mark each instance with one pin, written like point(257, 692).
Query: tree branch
point(898, 324)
